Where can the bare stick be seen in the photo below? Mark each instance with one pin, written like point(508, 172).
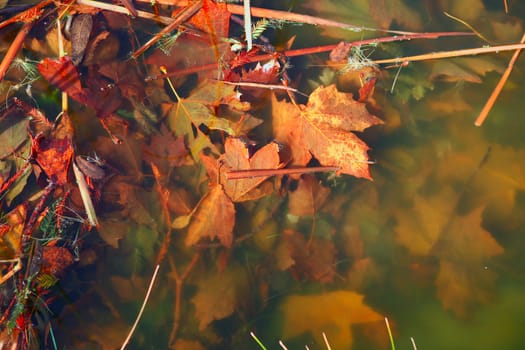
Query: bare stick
point(247, 24)
point(314, 50)
point(179, 283)
point(454, 53)
point(245, 174)
point(183, 16)
point(141, 309)
point(121, 9)
point(497, 90)
point(14, 48)
point(85, 196)
point(326, 341)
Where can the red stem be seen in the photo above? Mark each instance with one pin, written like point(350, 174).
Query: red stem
point(245, 174)
point(314, 50)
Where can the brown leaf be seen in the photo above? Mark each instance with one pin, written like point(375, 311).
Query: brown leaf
point(324, 128)
point(215, 217)
point(314, 259)
point(237, 157)
point(54, 156)
point(460, 288)
point(165, 150)
point(80, 32)
point(218, 295)
point(213, 18)
point(336, 311)
point(309, 196)
point(11, 232)
point(55, 260)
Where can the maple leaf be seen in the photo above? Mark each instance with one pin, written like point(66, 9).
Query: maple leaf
point(219, 294)
point(210, 104)
point(213, 18)
point(98, 93)
point(336, 311)
point(419, 229)
point(165, 150)
point(461, 288)
point(215, 217)
point(237, 157)
point(314, 259)
point(309, 196)
point(54, 156)
point(323, 128)
point(459, 242)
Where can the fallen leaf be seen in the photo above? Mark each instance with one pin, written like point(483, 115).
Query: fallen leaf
point(219, 294)
point(54, 156)
point(387, 12)
point(165, 150)
point(466, 242)
point(313, 259)
point(215, 217)
point(461, 288)
point(419, 229)
point(11, 232)
point(55, 260)
point(324, 127)
point(308, 198)
point(333, 313)
point(213, 18)
point(236, 157)
point(13, 126)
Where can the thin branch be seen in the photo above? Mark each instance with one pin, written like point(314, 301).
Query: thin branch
point(141, 309)
point(497, 90)
point(245, 174)
point(179, 283)
point(454, 53)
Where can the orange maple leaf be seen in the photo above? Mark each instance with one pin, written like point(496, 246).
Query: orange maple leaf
point(324, 128)
point(215, 217)
point(335, 311)
point(237, 157)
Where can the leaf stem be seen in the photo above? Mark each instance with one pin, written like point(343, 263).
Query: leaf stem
point(244, 174)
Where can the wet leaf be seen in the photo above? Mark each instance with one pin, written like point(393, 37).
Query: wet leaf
point(420, 228)
point(236, 157)
point(313, 259)
point(308, 198)
point(165, 150)
point(13, 133)
point(213, 18)
point(215, 217)
point(55, 260)
point(324, 127)
point(80, 32)
point(219, 294)
point(333, 313)
point(54, 157)
point(11, 232)
point(462, 288)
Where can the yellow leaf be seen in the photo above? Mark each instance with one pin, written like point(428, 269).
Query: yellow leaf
point(333, 313)
point(181, 222)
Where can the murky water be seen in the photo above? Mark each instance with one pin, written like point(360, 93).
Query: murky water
point(434, 243)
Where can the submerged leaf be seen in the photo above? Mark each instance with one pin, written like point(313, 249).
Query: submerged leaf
point(215, 217)
point(324, 127)
point(218, 295)
point(332, 312)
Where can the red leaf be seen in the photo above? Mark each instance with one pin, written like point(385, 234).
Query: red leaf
point(54, 157)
